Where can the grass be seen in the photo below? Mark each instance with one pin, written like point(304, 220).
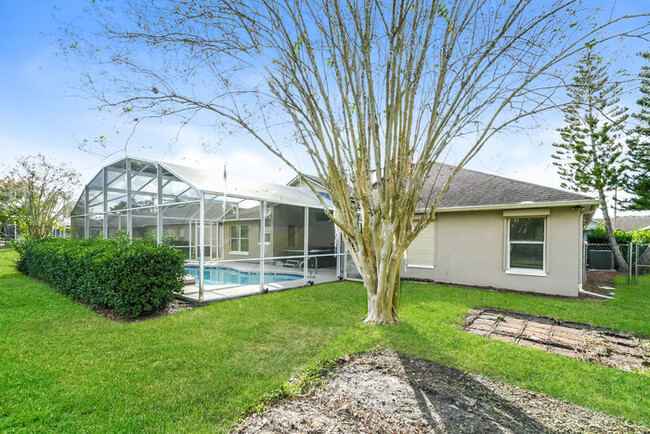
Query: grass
point(65, 368)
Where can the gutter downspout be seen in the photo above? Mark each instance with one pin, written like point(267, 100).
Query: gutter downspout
point(593, 294)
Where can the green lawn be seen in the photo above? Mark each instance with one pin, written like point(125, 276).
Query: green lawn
point(65, 368)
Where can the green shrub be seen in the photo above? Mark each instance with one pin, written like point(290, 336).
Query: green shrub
point(640, 237)
point(599, 236)
point(130, 277)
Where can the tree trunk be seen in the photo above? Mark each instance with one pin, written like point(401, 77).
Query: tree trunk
point(383, 299)
point(381, 277)
point(611, 238)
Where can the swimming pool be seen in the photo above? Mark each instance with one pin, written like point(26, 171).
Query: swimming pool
point(228, 276)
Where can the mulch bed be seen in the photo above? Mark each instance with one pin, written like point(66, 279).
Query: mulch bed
point(388, 392)
point(598, 345)
point(173, 307)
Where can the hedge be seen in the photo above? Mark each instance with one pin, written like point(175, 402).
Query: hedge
point(130, 277)
point(599, 236)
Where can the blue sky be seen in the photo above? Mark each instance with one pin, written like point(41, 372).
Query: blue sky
point(42, 110)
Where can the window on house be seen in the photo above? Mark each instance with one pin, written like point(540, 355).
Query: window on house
point(527, 243)
point(291, 236)
point(239, 238)
point(420, 254)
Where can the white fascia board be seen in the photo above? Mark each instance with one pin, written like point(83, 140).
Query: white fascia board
point(523, 205)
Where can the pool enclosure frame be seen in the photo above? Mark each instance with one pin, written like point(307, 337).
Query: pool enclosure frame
point(131, 195)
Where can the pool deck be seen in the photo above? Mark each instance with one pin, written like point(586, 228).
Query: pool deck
point(216, 293)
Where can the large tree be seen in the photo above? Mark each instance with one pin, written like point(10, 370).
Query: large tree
point(590, 156)
point(638, 184)
point(36, 195)
point(374, 93)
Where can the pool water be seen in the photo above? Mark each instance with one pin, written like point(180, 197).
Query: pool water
point(228, 276)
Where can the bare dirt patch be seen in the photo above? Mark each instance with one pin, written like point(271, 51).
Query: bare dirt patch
point(387, 392)
point(598, 345)
point(602, 277)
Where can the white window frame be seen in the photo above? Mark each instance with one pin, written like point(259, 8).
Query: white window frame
point(267, 233)
point(239, 238)
point(526, 271)
point(431, 266)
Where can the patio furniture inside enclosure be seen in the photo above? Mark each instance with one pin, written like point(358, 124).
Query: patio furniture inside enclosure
point(219, 222)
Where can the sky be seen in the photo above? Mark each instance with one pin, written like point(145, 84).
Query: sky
point(43, 110)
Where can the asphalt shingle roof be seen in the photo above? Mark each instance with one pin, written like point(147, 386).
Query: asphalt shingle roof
point(470, 188)
point(628, 223)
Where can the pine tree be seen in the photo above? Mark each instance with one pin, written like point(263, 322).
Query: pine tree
point(638, 183)
point(590, 157)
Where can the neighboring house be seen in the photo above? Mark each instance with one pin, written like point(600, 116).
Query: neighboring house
point(628, 223)
point(593, 225)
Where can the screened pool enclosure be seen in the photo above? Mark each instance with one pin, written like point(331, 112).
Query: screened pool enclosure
point(239, 236)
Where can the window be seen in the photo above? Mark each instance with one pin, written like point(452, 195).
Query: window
point(320, 216)
point(527, 243)
point(420, 254)
point(291, 236)
point(267, 233)
point(239, 238)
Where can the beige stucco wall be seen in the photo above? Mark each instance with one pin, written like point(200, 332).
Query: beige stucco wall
point(470, 249)
point(253, 239)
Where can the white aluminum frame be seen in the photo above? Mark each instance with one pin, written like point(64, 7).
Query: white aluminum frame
point(200, 183)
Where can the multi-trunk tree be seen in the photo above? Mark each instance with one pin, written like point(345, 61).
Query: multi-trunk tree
point(638, 182)
point(373, 93)
point(590, 156)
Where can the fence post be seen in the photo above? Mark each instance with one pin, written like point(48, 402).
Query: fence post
point(629, 264)
point(636, 264)
point(585, 252)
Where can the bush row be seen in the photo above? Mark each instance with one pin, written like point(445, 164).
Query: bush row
point(599, 236)
point(130, 277)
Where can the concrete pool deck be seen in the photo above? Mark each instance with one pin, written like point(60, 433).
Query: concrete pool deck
point(216, 293)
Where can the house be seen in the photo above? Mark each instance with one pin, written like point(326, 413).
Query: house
point(492, 231)
point(629, 223)
point(489, 231)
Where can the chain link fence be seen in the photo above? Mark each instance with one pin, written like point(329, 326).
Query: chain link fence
point(604, 257)
point(641, 260)
point(8, 233)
